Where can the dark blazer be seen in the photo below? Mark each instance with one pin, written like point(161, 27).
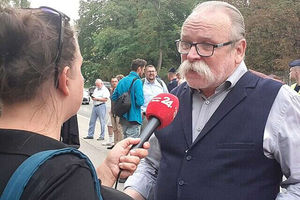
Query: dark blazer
point(226, 160)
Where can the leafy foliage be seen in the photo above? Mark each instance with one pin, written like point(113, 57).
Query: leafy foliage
point(114, 32)
point(15, 3)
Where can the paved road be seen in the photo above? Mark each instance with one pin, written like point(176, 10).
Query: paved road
point(92, 148)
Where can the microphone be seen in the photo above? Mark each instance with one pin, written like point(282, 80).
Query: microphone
point(160, 112)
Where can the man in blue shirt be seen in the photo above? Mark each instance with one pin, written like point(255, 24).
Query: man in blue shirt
point(131, 121)
point(152, 86)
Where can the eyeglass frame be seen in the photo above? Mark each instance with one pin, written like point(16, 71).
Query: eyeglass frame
point(63, 19)
point(195, 44)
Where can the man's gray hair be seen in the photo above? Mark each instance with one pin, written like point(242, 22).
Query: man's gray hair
point(237, 19)
point(98, 80)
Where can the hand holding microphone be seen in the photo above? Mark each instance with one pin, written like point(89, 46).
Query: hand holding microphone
point(160, 112)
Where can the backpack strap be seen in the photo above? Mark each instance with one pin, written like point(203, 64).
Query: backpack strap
point(25, 171)
point(131, 85)
point(158, 80)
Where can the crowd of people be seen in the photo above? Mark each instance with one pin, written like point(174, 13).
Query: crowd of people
point(142, 91)
point(235, 136)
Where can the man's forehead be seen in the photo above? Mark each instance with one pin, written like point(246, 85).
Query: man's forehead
point(207, 23)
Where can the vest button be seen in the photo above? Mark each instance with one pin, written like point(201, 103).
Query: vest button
point(188, 158)
point(181, 182)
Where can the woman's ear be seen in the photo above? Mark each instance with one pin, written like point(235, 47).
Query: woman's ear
point(63, 84)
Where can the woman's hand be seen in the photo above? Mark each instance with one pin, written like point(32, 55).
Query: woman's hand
point(121, 157)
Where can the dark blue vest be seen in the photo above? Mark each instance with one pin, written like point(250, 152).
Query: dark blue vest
point(226, 161)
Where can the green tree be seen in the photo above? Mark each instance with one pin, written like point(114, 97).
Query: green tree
point(273, 33)
point(15, 3)
point(129, 29)
point(113, 32)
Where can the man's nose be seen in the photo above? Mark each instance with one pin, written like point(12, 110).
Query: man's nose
point(193, 56)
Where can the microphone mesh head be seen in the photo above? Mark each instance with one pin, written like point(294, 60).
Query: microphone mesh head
point(164, 107)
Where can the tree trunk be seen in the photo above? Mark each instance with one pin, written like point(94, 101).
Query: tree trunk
point(159, 58)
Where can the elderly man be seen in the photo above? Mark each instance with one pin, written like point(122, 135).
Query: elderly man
point(235, 133)
point(99, 97)
point(295, 74)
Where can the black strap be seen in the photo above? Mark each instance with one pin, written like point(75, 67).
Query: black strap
point(131, 85)
point(158, 80)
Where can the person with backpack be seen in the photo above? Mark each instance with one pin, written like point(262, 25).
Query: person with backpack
point(41, 87)
point(152, 86)
point(131, 121)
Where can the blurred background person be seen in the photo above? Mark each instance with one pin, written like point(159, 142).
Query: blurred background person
point(152, 86)
point(295, 75)
point(70, 132)
point(132, 120)
point(179, 78)
point(172, 79)
point(99, 97)
point(115, 130)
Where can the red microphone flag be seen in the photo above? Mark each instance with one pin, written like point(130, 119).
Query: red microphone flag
point(164, 107)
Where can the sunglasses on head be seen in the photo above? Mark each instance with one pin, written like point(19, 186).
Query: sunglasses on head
point(63, 18)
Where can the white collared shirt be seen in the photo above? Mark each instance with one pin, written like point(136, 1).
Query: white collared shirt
point(151, 90)
point(102, 92)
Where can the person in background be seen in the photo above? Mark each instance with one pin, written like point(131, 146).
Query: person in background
point(41, 87)
point(295, 75)
point(235, 132)
point(115, 120)
point(99, 97)
point(152, 86)
point(172, 79)
point(131, 121)
point(179, 78)
point(70, 132)
point(119, 77)
point(110, 141)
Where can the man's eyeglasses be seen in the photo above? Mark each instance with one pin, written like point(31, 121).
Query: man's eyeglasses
point(203, 49)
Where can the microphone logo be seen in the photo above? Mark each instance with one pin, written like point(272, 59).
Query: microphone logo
point(165, 100)
point(163, 107)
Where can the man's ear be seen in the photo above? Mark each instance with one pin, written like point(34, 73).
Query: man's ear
point(63, 79)
point(240, 49)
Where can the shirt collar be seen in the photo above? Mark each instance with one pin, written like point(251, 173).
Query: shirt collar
point(237, 74)
point(231, 80)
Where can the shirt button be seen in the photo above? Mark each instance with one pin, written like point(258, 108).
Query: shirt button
point(207, 102)
point(188, 158)
point(181, 182)
point(199, 129)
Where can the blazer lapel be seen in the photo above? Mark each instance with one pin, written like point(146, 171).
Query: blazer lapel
point(185, 99)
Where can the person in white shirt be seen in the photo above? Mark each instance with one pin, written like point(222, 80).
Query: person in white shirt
point(99, 97)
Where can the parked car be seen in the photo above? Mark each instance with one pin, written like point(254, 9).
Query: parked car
point(86, 97)
point(107, 84)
